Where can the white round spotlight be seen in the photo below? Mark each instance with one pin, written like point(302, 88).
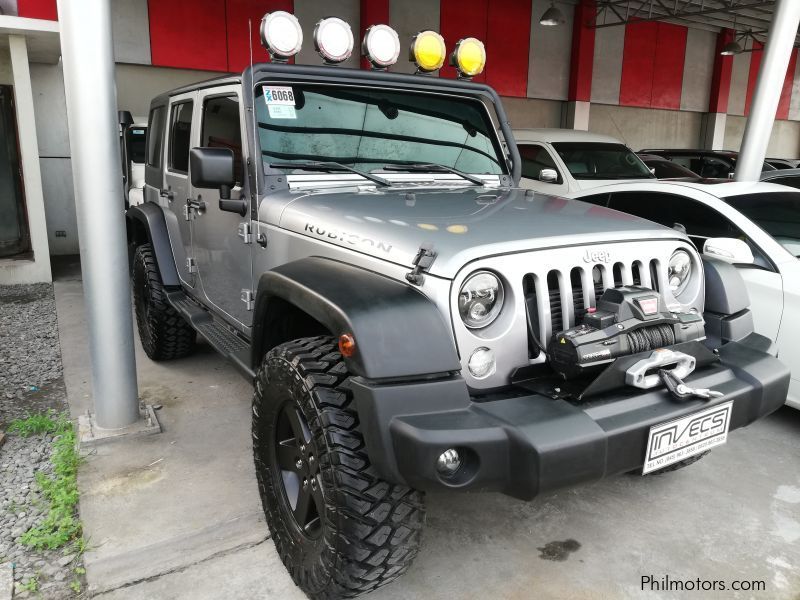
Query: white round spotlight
point(381, 46)
point(333, 39)
point(281, 35)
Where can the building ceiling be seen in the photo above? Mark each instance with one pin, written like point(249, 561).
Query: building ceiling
point(750, 17)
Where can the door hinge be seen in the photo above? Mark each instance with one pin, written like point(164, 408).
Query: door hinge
point(191, 265)
point(245, 232)
point(187, 212)
point(249, 299)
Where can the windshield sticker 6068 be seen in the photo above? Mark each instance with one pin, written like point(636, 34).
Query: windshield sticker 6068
point(280, 102)
point(347, 238)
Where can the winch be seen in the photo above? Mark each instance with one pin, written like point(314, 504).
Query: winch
point(627, 320)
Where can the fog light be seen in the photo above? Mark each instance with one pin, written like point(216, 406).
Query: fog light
point(481, 364)
point(448, 462)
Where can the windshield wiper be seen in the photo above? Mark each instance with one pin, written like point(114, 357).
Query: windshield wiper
point(314, 165)
point(434, 167)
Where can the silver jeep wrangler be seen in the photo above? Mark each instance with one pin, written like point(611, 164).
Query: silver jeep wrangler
point(356, 243)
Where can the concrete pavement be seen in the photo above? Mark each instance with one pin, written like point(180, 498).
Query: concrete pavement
point(177, 515)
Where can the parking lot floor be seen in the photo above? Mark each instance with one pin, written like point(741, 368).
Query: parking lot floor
point(177, 515)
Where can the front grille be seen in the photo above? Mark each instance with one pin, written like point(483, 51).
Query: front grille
point(555, 300)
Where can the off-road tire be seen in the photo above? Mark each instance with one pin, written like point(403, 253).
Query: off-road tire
point(369, 529)
point(164, 333)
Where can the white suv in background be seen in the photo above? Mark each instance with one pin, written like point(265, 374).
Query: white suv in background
point(566, 161)
point(753, 225)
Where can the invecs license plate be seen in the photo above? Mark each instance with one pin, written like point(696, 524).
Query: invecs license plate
point(677, 440)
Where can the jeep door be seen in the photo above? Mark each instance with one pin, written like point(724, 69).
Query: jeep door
point(223, 256)
point(175, 192)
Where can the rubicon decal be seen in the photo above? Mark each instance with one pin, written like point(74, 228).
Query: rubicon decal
point(347, 238)
point(677, 440)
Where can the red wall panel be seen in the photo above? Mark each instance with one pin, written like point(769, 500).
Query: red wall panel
point(668, 66)
point(582, 57)
point(721, 75)
point(508, 38)
point(638, 57)
point(38, 9)
point(755, 65)
point(374, 12)
point(786, 92)
point(652, 65)
point(189, 34)
point(464, 19)
point(237, 14)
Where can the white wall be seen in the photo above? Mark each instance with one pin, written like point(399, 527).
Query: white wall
point(784, 142)
point(647, 128)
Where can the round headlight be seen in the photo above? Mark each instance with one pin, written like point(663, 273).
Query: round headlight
point(679, 271)
point(333, 39)
point(281, 35)
point(480, 299)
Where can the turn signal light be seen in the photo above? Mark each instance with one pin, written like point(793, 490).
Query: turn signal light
point(347, 345)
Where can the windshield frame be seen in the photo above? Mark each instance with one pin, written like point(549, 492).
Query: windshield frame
point(503, 161)
point(599, 145)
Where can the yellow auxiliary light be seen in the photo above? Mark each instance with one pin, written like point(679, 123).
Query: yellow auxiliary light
point(469, 57)
point(427, 51)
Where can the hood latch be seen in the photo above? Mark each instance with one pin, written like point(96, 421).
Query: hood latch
point(422, 262)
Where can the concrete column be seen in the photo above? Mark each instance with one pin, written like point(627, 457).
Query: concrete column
point(88, 57)
point(575, 115)
point(714, 131)
point(576, 112)
point(769, 85)
point(39, 270)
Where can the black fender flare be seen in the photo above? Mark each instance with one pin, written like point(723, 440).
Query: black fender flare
point(727, 303)
point(398, 331)
point(151, 217)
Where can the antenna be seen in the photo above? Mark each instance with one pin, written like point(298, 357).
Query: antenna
point(257, 162)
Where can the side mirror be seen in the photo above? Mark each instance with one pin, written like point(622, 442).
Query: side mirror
point(548, 175)
point(652, 171)
point(730, 250)
point(212, 168)
point(124, 118)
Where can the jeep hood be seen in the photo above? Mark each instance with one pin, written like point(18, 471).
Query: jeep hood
point(463, 224)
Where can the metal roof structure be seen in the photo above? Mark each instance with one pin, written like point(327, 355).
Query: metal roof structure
point(749, 18)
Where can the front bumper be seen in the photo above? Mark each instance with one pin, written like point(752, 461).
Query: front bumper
point(523, 445)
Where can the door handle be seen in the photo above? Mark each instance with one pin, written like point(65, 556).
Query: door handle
point(167, 193)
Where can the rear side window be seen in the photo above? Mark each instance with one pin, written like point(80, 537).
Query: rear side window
point(179, 137)
point(155, 136)
point(221, 128)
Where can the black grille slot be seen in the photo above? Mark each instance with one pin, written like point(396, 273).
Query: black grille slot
point(597, 278)
point(554, 293)
point(532, 310)
point(654, 274)
point(577, 291)
point(637, 273)
point(617, 274)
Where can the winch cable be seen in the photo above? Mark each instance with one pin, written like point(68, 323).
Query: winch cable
point(651, 338)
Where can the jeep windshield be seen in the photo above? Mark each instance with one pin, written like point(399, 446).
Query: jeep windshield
point(372, 129)
point(598, 160)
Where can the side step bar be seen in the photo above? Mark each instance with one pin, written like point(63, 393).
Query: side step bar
point(225, 341)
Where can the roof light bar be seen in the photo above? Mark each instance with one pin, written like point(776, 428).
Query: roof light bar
point(427, 51)
point(281, 35)
point(381, 46)
point(333, 39)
